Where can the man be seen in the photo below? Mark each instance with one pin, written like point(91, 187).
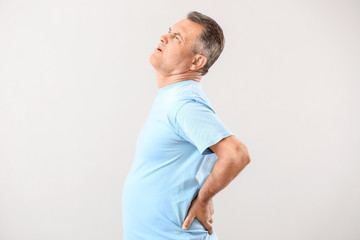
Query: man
point(184, 153)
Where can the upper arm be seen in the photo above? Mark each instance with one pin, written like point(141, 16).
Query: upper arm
point(231, 147)
point(199, 125)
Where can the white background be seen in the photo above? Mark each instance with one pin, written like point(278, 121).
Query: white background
point(76, 86)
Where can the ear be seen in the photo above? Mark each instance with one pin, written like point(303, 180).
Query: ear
point(198, 62)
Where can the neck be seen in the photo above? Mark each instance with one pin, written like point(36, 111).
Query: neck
point(164, 80)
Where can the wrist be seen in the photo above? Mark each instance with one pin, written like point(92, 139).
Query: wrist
point(203, 196)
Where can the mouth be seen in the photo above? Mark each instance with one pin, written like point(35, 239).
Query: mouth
point(159, 48)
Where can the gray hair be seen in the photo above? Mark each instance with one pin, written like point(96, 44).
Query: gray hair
point(210, 42)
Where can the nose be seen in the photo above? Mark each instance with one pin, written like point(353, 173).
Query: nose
point(164, 38)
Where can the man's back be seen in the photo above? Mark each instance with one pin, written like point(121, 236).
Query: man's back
point(172, 161)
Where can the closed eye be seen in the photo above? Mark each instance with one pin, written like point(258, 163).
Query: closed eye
point(176, 35)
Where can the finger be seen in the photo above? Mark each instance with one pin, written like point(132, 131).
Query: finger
point(188, 220)
point(208, 227)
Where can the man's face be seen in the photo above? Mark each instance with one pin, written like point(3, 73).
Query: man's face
point(173, 55)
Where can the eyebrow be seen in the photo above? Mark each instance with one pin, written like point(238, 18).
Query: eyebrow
point(177, 34)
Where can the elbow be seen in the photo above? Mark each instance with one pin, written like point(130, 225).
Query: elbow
point(246, 155)
point(242, 155)
point(234, 157)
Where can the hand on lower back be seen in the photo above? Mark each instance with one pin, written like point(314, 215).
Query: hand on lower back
point(202, 211)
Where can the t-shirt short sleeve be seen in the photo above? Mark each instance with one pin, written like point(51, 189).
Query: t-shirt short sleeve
point(197, 123)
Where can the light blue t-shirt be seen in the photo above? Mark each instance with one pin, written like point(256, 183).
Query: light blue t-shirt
point(172, 161)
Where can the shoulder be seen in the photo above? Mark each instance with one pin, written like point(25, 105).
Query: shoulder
point(190, 100)
point(194, 107)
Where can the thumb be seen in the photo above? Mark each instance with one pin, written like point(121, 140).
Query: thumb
point(188, 220)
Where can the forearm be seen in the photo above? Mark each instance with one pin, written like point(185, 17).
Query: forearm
point(226, 168)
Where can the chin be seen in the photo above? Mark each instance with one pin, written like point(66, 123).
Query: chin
point(152, 61)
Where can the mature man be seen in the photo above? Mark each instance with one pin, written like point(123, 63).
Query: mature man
point(184, 153)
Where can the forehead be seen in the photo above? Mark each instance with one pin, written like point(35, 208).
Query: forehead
point(187, 28)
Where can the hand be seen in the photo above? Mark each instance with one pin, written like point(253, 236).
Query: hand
point(202, 211)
